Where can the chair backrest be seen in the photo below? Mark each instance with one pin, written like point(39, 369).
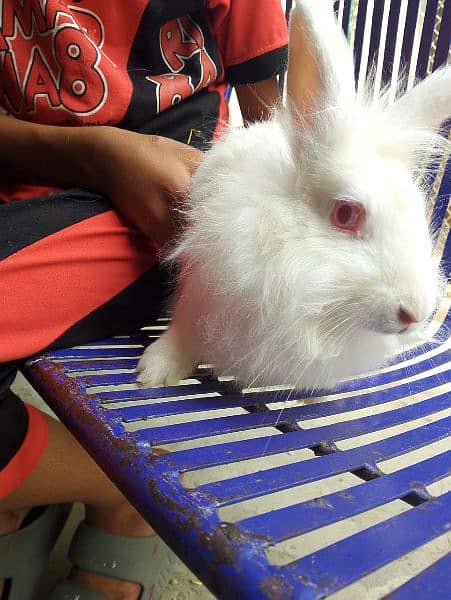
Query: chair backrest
point(409, 37)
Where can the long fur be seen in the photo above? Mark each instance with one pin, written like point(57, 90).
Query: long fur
point(269, 291)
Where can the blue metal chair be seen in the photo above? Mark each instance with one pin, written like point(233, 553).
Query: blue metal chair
point(260, 496)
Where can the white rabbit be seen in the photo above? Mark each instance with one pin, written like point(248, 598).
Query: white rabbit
point(307, 257)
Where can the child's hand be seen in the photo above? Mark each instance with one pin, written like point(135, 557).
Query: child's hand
point(145, 176)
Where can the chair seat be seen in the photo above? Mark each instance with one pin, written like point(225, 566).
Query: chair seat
point(268, 494)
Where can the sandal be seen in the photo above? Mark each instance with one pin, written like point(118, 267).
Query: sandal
point(146, 561)
point(24, 553)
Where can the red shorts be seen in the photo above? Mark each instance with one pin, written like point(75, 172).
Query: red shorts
point(71, 271)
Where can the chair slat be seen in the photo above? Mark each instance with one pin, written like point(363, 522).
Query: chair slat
point(338, 565)
point(288, 522)
point(279, 478)
point(434, 582)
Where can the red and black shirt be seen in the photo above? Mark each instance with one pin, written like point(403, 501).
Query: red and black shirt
point(158, 66)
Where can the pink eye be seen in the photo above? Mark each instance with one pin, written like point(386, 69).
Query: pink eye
point(348, 215)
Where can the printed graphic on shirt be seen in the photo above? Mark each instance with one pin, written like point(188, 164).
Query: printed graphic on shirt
point(181, 43)
point(57, 61)
point(182, 76)
point(50, 58)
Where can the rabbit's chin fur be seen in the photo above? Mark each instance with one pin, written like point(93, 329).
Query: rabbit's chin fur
point(268, 291)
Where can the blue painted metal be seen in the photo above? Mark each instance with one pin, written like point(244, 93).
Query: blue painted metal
point(332, 568)
point(279, 478)
point(308, 516)
point(244, 450)
point(434, 582)
point(133, 434)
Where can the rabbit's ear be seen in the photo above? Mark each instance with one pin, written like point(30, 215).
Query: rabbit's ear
point(407, 126)
point(320, 65)
point(427, 104)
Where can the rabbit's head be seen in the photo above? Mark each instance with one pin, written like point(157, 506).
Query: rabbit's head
point(367, 252)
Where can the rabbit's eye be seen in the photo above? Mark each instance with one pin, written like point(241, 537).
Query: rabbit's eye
point(348, 215)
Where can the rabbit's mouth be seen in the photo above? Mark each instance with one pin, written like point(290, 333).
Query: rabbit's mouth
point(411, 331)
point(394, 320)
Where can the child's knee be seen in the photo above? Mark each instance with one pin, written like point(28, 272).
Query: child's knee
point(23, 435)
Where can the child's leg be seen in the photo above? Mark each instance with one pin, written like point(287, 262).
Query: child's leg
point(70, 271)
point(65, 473)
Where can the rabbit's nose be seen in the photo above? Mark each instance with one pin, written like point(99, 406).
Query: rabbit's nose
point(406, 317)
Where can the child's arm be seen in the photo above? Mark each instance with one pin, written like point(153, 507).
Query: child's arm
point(130, 168)
point(258, 99)
point(252, 39)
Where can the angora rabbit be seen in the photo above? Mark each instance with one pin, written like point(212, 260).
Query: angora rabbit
point(307, 256)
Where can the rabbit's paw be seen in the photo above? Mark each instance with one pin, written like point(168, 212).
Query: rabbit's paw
point(163, 364)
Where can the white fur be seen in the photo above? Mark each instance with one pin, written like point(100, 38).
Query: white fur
point(269, 291)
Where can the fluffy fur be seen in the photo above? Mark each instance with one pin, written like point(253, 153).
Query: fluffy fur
point(269, 291)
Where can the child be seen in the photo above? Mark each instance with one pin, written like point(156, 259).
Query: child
point(107, 110)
